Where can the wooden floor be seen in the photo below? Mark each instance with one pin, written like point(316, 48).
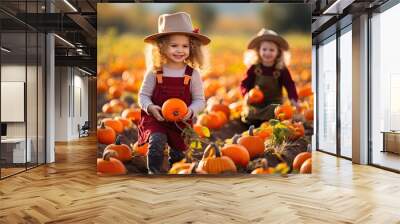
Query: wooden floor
point(69, 191)
point(10, 171)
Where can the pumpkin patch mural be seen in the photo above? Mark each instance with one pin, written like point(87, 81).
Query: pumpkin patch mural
point(204, 89)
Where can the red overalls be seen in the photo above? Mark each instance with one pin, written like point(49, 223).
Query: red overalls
point(166, 88)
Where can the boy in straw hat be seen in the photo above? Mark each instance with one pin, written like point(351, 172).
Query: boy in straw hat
point(270, 74)
point(175, 57)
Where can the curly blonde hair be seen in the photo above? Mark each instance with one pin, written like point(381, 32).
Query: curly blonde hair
point(252, 57)
point(155, 57)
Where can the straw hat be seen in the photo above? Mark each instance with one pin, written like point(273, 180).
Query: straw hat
point(268, 35)
point(177, 23)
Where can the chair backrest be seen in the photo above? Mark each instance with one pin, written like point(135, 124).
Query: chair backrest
point(86, 125)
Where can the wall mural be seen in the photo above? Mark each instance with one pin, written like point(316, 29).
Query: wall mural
point(208, 88)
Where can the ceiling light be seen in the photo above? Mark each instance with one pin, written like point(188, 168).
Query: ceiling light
point(5, 50)
point(65, 41)
point(333, 6)
point(84, 71)
point(70, 5)
point(337, 7)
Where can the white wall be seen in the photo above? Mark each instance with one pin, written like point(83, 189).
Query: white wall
point(71, 93)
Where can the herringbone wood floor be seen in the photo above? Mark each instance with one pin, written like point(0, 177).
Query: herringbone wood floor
point(69, 191)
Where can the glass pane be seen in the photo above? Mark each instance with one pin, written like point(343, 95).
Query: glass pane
point(13, 87)
point(31, 97)
point(41, 98)
point(327, 96)
point(385, 86)
point(346, 94)
point(313, 81)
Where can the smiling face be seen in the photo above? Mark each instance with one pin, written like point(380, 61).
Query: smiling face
point(177, 49)
point(268, 52)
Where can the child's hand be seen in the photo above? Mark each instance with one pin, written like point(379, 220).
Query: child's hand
point(188, 115)
point(296, 104)
point(155, 110)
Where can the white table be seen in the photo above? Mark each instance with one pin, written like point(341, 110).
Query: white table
point(19, 149)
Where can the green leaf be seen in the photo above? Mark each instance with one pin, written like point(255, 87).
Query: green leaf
point(273, 122)
point(193, 144)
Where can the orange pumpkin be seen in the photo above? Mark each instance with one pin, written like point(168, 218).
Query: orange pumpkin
point(114, 124)
point(189, 170)
point(305, 91)
point(297, 130)
point(123, 151)
point(217, 164)
point(256, 95)
point(178, 166)
point(220, 107)
point(141, 150)
point(299, 160)
point(117, 105)
point(101, 86)
point(105, 135)
point(109, 165)
point(222, 118)
point(118, 67)
point(125, 122)
point(233, 95)
point(264, 169)
point(283, 112)
point(199, 130)
point(192, 170)
point(309, 114)
point(236, 107)
point(174, 109)
point(114, 82)
point(238, 153)
point(133, 114)
point(107, 108)
point(209, 120)
point(306, 167)
point(126, 75)
point(264, 132)
point(210, 87)
point(253, 144)
point(114, 92)
point(130, 85)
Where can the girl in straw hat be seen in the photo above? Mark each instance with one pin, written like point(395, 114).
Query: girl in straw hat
point(269, 72)
point(177, 51)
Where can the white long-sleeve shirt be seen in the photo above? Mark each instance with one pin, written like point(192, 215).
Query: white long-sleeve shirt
point(196, 88)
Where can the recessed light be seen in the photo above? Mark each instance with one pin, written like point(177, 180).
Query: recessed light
point(64, 40)
point(70, 5)
point(5, 50)
point(84, 71)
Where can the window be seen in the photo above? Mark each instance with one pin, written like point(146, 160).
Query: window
point(327, 96)
point(22, 76)
point(346, 93)
point(385, 88)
